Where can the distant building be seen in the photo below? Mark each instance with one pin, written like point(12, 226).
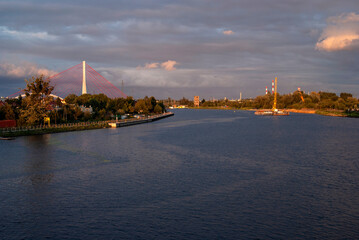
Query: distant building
point(196, 101)
point(86, 109)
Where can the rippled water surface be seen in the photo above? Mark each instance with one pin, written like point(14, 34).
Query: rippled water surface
point(202, 174)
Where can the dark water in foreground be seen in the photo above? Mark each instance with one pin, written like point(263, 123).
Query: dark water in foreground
point(202, 174)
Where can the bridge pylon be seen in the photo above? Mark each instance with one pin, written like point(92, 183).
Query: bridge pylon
point(84, 90)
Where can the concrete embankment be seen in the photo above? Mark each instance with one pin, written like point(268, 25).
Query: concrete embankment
point(55, 128)
point(9, 133)
point(128, 122)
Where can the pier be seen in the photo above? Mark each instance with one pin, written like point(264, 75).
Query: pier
point(129, 122)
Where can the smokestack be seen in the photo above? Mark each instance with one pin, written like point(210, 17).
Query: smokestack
point(272, 86)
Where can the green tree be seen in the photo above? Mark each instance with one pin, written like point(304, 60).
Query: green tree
point(95, 104)
point(328, 95)
point(55, 116)
point(340, 104)
point(345, 96)
point(265, 101)
point(120, 112)
point(37, 100)
point(119, 103)
point(71, 99)
point(102, 99)
point(111, 106)
point(2, 111)
point(326, 103)
point(158, 109)
point(83, 100)
point(87, 115)
point(9, 112)
point(185, 101)
point(58, 102)
point(76, 113)
point(141, 107)
point(162, 106)
point(351, 102)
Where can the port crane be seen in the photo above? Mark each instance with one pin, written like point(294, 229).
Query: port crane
point(274, 111)
point(275, 95)
point(301, 95)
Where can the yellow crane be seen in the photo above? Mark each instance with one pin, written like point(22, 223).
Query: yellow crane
point(275, 111)
point(301, 95)
point(275, 95)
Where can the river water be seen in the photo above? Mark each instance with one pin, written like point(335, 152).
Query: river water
point(202, 174)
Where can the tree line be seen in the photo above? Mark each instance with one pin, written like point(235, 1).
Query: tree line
point(295, 100)
point(38, 103)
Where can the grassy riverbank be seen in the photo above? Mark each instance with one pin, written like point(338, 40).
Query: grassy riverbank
point(333, 113)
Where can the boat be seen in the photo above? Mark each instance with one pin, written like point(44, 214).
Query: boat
point(7, 138)
point(264, 112)
point(274, 111)
point(280, 113)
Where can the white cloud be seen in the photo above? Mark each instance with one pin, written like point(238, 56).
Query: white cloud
point(26, 69)
point(338, 42)
point(26, 35)
point(341, 33)
point(149, 66)
point(168, 65)
point(228, 32)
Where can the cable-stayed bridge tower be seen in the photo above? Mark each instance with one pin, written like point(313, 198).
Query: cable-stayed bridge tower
point(81, 79)
point(84, 90)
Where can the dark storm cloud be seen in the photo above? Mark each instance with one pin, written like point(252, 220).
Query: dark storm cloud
point(271, 38)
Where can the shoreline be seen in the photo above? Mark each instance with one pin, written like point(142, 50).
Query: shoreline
point(329, 112)
point(19, 132)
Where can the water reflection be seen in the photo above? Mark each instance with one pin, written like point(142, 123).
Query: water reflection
point(198, 175)
point(39, 161)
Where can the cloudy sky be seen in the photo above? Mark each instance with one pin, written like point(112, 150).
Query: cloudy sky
point(184, 48)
